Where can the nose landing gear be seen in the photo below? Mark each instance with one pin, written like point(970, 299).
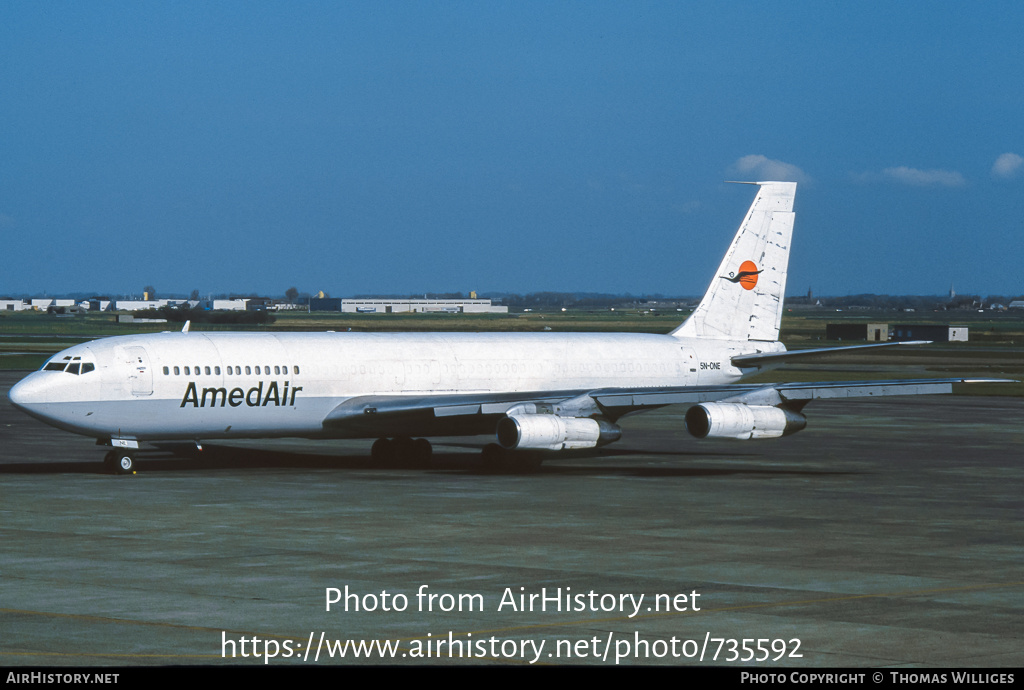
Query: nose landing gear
point(119, 462)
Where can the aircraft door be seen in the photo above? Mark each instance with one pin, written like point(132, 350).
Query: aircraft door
point(690, 365)
point(140, 373)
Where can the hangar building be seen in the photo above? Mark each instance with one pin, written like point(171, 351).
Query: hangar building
point(857, 331)
point(940, 334)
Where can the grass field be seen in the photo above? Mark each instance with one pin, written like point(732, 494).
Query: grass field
point(995, 349)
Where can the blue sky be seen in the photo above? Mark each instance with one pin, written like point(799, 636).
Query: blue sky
point(403, 147)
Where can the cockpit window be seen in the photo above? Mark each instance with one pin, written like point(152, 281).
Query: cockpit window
point(71, 365)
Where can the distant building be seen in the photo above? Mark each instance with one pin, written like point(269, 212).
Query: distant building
point(258, 303)
point(872, 332)
point(451, 306)
point(44, 303)
point(228, 304)
point(325, 303)
point(140, 304)
point(939, 334)
point(131, 318)
point(13, 305)
point(99, 305)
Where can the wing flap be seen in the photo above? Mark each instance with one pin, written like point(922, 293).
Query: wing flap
point(848, 389)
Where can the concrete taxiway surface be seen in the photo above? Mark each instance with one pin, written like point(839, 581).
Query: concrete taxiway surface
point(888, 533)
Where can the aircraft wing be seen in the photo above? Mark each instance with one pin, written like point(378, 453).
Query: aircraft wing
point(798, 393)
point(614, 402)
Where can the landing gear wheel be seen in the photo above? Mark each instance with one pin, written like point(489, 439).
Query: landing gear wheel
point(383, 451)
point(124, 463)
point(422, 451)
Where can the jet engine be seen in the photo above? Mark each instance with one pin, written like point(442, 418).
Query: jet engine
point(551, 432)
point(737, 420)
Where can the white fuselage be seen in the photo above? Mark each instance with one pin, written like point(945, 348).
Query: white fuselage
point(222, 385)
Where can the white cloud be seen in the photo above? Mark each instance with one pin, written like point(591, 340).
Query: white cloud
point(925, 178)
point(1007, 165)
point(766, 169)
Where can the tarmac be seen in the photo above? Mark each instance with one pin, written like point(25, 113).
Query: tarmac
point(887, 534)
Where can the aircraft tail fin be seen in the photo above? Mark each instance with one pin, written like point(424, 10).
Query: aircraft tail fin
point(744, 300)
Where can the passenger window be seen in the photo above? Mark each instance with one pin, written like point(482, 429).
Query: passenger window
point(277, 369)
point(207, 369)
point(166, 371)
point(188, 372)
point(295, 369)
point(177, 371)
point(247, 370)
point(216, 371)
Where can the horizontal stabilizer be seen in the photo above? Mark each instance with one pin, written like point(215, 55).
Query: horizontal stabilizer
point(758, 359)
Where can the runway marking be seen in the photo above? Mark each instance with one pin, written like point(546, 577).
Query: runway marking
point(532, 626)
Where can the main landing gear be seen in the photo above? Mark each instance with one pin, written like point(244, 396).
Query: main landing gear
point(119, 462)
point(402, 450)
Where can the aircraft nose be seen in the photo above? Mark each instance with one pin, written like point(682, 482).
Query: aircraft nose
point(27, 392)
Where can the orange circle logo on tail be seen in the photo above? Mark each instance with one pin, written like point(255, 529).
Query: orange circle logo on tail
point(748, 275)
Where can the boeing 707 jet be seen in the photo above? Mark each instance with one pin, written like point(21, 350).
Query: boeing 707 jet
point(530, 391)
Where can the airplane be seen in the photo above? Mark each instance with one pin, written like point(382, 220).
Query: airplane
point(533, 392)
